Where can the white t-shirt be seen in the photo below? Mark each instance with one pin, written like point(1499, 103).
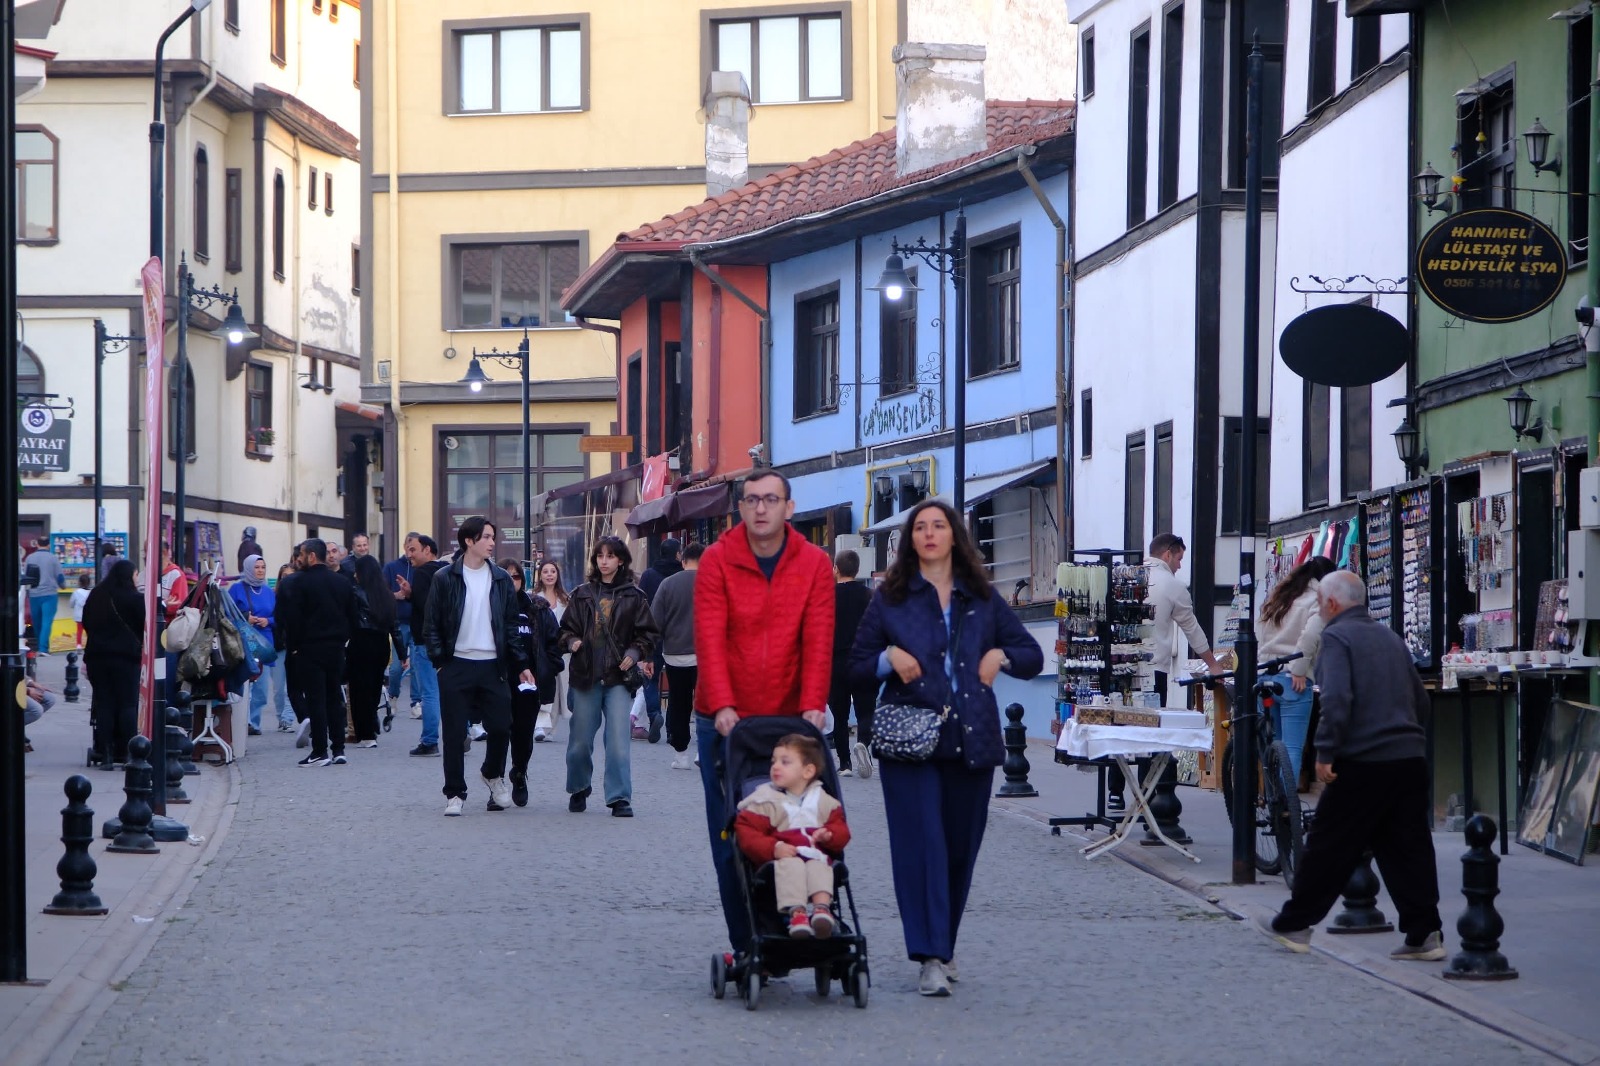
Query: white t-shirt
point(476, 637)
point(79, 598)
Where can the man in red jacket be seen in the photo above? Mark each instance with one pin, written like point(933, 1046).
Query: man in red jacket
point(763, 638)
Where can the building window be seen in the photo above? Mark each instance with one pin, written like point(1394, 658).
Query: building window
point(188, 412)
point(1086, 61)
point(233, 219)
point(996, 307)
point(635, 405)
point(1171, 106)
point(202, 205)
point(280, 31)
point(1133, 494)
point(30, 373)
point(676, 397)
point(1232, 438)
point(1004, 532)
point(1324, 52)
point(1248, 18)
point(316, 7)
point(816, 353)
point(1576, 157)
point(897, 342)
point(230, 16)
point(1491, 172)
point(1366, 45)
point(1314, 446)
point(1086, 424)
point(516, 68)
point(1138, 124)
point(37, 183)
point(277, 225)
point(355, 270)
point(1161, 474)
point(355, 67)
point(327, 192)
point(311, 189)
point(257, 406)
point(511, 285)
point(481, 473)
point(785, 59)
point(333, 10)
point(1355, 440)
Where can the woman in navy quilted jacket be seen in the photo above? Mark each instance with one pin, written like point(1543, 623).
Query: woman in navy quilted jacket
point(937, 634)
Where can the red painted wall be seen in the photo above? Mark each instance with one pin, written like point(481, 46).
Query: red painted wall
point(727, 369)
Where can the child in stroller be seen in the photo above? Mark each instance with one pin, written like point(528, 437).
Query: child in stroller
point(794, 824)
point(778, 945)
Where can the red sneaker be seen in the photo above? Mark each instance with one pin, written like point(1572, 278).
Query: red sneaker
point(821, 922)
point(799, 924)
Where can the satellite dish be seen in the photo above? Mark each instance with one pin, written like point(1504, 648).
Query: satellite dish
point(1344, 345)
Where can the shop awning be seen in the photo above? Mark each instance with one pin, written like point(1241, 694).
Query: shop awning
point(983, 488)
point(887, 525)
point(677, 509)
point(578, 488)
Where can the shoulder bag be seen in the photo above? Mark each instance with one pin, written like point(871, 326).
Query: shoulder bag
point(906, 732)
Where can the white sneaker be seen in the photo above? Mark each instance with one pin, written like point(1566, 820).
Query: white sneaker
point(499, 790)
point(861, 759)
point(540, 736)
point(416, 710)
point(452, 807)
point(932, 981)
point(681, 761)
point(367, 744)
point(477, 732)
point(302, 736)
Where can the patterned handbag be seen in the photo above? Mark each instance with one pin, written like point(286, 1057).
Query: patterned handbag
point(906, 732)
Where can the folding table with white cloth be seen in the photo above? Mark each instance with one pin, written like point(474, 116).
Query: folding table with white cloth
point(1092, 745)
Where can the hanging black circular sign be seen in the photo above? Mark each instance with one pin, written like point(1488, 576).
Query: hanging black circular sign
point(1344, 345)
point(1491, 265)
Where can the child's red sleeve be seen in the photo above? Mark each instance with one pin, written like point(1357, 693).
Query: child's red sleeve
point(836, 826)
point(754, 835)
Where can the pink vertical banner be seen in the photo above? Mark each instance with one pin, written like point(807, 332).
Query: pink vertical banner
point(154, 424)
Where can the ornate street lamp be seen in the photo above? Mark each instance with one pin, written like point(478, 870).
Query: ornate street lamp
point(1519, 405)
point(1538, 140)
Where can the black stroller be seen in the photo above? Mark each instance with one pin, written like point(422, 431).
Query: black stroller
point(842, 956)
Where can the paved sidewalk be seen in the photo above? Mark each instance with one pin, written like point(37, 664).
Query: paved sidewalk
point(1551, 910)
point(74, 963)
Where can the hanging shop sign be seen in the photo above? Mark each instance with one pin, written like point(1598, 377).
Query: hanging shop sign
point(1344, 345)
point(1491, 265)
point(45, 443)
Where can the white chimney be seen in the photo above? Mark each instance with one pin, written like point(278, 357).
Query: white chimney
point(939, 112)
point(727, 132)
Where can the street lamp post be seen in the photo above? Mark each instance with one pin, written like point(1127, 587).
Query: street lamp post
point(475, 379)
point(158, 133)
point(948, 259)
point(104, 344)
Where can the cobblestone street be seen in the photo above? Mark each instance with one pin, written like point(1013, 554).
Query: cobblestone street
point(345, 920)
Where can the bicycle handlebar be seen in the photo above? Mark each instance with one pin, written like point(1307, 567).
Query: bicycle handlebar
point(1268, 667)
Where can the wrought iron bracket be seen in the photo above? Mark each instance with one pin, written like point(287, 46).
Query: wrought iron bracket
point(1343, 286)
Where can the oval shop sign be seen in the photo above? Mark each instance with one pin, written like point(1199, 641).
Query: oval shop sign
point(1344, 345)
point(1491, 265)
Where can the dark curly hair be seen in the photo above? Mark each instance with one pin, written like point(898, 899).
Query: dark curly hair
point(618, 547)
point(965, 562)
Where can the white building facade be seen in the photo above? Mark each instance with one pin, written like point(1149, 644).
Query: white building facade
point(261, 197)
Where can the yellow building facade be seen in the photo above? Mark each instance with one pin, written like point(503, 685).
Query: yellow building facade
point(506, 144)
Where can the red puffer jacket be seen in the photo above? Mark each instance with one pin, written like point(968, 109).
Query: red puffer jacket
point(763, 647)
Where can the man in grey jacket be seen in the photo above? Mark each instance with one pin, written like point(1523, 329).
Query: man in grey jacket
point(1370, 755)
point(673, 609)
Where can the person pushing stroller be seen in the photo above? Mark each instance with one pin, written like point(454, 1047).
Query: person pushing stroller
point(793, 823)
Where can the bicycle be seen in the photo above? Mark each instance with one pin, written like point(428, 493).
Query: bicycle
point(1280, 837)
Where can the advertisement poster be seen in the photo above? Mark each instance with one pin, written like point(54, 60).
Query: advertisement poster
point(75, 551)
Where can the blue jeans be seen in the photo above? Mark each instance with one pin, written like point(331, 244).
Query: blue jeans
point(280, 695)
point(592, 707)
point(396, 671)
point(1291, 718)
point(425, 687)
point(43, 609)
point(711, 746)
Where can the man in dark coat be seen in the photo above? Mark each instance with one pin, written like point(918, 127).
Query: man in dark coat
point(317, 613)
point(665, 566)
point(850, 599)
point(248, 547)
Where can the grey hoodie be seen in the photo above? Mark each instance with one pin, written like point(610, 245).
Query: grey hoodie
point(1373, 702)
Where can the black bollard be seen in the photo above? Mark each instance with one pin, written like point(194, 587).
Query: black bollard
point(70, 690)
point(133, 830)
point(174, 767)
point(1480, 925)
point(1361, 913)
point(1167, 808)
point(184, 701)
point(76, 868)
point(1016, 764)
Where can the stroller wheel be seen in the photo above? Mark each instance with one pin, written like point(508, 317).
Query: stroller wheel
point(824, 976)
point(856, 984)
point(719, 975)
point(752, 990)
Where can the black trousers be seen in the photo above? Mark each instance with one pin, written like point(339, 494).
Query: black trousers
point(114, 705)
point(321, 671)
point(680, 704)
point(1379, 805)
point(473, 690)
point(842, 693)
point(296, 690)
point(524, 713)
point(1116, 780)
point(369, 670)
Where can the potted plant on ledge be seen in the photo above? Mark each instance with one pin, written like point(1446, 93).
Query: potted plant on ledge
point(264, 436)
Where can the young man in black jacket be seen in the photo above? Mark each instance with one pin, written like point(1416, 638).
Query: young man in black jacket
point(470, 628)
point(850, 599)
point(316, 614)
point(424, 678)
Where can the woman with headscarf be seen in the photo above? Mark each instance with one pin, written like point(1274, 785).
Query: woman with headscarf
point(257, 601)
point(113, 628)
point(367, 657)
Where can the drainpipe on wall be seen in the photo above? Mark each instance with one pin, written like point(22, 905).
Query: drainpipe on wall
point(1064, 434)
point(765, 366)
point(1591, 338)
point(616, 336)
point(393, 478)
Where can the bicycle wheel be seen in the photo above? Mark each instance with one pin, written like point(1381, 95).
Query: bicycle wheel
point(1283, 812)
point(1266, 845)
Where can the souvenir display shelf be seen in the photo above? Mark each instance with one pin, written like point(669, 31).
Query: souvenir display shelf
point(1103, 639)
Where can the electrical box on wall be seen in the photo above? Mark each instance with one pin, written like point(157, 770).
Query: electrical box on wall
point(848, 542)
point(1589, 497)
point(1583, 574)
